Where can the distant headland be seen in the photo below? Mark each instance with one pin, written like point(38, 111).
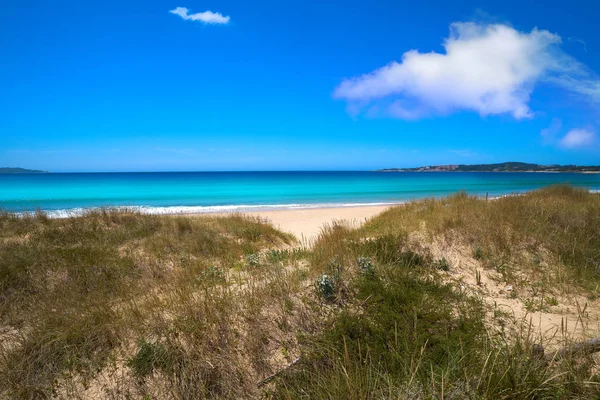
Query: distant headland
point(500, 167)
point(8, 170)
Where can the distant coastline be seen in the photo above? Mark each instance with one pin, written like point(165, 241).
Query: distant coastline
point(9, 170)
point(500, 167)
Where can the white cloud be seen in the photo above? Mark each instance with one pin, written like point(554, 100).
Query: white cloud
point(207, 17)
point(487, 68)
point(577, 138)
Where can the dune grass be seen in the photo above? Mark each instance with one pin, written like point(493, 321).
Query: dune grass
point(403, 331)
point(75, 292)
point(121, 305)
point(559, 222)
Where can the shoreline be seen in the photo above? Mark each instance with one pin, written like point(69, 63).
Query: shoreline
point(210, 210)
point(243, 208)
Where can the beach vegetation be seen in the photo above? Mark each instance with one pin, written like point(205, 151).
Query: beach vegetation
point(420, 302)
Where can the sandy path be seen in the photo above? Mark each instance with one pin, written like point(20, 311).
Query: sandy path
point(306, 224)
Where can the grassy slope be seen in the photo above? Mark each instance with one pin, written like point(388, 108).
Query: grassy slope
point(122, 305)
point(77, 295)
point(406, 331)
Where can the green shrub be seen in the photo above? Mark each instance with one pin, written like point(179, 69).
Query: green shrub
point(253, 260)
point(151, 357)
point(365, 266)
point(212, 274)
point(442, 264)
point(326, 287)
point(478, 253)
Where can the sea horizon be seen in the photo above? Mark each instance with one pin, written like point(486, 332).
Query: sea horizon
point(64, 194)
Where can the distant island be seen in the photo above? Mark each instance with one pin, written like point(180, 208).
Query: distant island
point(500, 167)
point(8, 170)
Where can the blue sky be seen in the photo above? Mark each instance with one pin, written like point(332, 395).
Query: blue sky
point(293, 85)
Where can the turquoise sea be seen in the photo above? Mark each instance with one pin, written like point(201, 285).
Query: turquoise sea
point(63, 194)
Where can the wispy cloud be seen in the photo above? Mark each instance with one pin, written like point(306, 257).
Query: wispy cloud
point(550, 133)
point(207, 17)
point(463, 153)
point(578, 138)
point(579, 41)
point(490, 69)
point(43, 151)
point(182, 152)
point(580, 84)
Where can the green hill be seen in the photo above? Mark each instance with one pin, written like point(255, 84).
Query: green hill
point(500, 167)
point(8, 170)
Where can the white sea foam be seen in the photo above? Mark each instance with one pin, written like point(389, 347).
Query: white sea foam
point(74, 212)
point(242, 208)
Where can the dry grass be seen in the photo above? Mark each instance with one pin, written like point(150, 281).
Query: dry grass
point(82, 296)
point(121, 305)
point(407, 329)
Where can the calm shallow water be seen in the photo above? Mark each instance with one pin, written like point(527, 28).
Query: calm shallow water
point(174, 192)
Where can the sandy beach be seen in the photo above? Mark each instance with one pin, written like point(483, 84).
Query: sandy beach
point(306, 224)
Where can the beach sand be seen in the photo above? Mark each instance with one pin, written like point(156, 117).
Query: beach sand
point(306, 224)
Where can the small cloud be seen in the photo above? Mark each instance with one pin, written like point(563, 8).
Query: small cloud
point(577, 138)
point(207, 17)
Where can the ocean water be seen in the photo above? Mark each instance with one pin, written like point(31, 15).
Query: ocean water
point(63, 194)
